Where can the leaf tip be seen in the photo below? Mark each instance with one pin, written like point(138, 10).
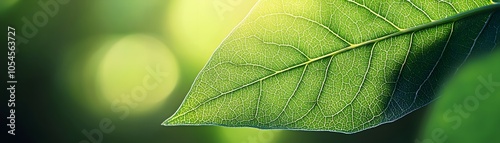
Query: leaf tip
point(166, 123)
point(170, 121)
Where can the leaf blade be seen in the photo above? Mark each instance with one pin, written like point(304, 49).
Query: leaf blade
point(234, 69)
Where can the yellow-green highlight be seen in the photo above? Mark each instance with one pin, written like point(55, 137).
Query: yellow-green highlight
point(7, 4)
point(139, 68)
point(199, 26)
point(247, 135)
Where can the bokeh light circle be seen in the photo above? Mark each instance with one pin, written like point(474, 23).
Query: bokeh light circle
point(138, 71)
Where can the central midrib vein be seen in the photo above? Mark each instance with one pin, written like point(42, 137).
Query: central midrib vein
point(446, 20)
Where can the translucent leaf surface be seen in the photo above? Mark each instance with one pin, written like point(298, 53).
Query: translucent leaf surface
point(336, 65)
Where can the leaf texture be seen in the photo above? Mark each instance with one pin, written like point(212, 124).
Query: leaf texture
point(336, 65)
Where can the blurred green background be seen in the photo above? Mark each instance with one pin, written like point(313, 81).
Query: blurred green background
point(129, 64)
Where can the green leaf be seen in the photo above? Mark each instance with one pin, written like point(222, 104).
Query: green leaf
point(335, 65)
point(468, 108)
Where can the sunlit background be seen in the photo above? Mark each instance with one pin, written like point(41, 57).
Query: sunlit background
point(129, 65)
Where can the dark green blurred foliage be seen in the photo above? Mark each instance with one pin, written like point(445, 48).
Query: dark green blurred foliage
point(468, 108)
